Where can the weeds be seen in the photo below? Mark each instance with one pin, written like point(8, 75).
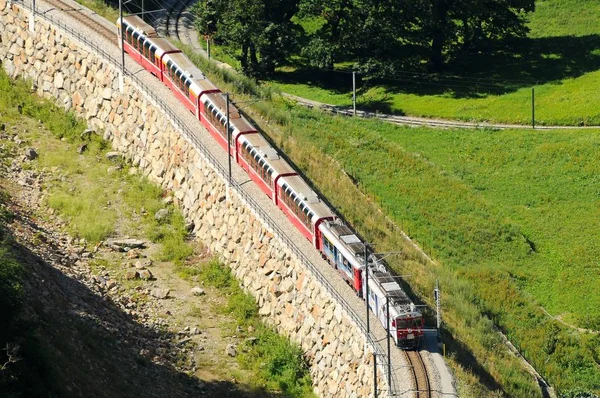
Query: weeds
point(280, 364)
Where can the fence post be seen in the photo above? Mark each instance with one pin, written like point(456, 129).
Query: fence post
point(533, 107)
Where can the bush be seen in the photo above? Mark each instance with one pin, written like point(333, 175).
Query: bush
point(280, 365)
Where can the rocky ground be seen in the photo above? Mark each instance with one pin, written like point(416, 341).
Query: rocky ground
point(125, 330)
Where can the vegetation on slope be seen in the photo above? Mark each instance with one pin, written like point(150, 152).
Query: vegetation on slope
point(458, 212)
point(99, 198)
point(280, 366)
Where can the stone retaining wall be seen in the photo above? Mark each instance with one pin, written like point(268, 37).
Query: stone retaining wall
point(289, 296)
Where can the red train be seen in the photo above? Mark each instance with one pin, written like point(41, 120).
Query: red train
point(338, 244)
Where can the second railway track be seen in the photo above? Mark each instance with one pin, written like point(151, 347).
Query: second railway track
point(80, 13)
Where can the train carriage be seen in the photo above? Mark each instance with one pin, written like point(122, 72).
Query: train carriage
point(186, 81)
point(405, 322)
point(262, 162)
point(143, 44)
point(344, 251)
point(213, 114)
point(303, 207)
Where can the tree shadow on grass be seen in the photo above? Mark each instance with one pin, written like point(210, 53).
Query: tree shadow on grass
point(335, 81)
point(77, 343)
point(504, 67)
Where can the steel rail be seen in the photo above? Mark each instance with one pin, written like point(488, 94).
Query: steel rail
point(236, 186)
point(420, 375)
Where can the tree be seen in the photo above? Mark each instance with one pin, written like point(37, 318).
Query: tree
point(336, 36)
point(261, 31)
point(473, 23)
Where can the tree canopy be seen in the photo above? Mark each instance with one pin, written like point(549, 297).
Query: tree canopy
point(379, 36)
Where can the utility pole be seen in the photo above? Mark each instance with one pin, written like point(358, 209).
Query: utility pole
point(32, 18)
point(367, 288)
point(122, 75)
point(228, 146)
point(354, 92)
point(533, 107)
point(389, 370)
point(436, 294)
point(208, 46)
point(375, 373)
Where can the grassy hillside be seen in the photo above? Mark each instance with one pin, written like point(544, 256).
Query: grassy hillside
point(554, 18)
point(513, 214)
point(507, 215)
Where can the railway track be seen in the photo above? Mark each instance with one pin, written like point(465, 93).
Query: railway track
point(90, 20)
point(81, 15)
point(173, 15)
point(421, 121)
point(419, 371)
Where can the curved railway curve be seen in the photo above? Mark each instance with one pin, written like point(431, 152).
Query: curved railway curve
point(420, 374)
point(92, 22)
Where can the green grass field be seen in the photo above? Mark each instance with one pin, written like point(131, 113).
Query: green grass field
point(560, 59)
point(513, 213)
point(509, 216)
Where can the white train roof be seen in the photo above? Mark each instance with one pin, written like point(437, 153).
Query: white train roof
point(160, 44)
point(139, 24)
point(198, 82)
point(305, 195)
point(237, 121)
point(268, 153)
point(383, 284)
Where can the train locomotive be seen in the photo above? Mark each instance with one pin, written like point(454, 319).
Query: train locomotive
point(315, 220)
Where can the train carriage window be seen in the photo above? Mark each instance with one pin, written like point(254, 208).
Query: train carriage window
point(264, 171)
point(168, 68)
point(129, 35)
point(269, 176)
point(136, 39)
point(345, 263)
point(246, 152)
point(146, 51)
point(188, 83)
point(177, 78)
